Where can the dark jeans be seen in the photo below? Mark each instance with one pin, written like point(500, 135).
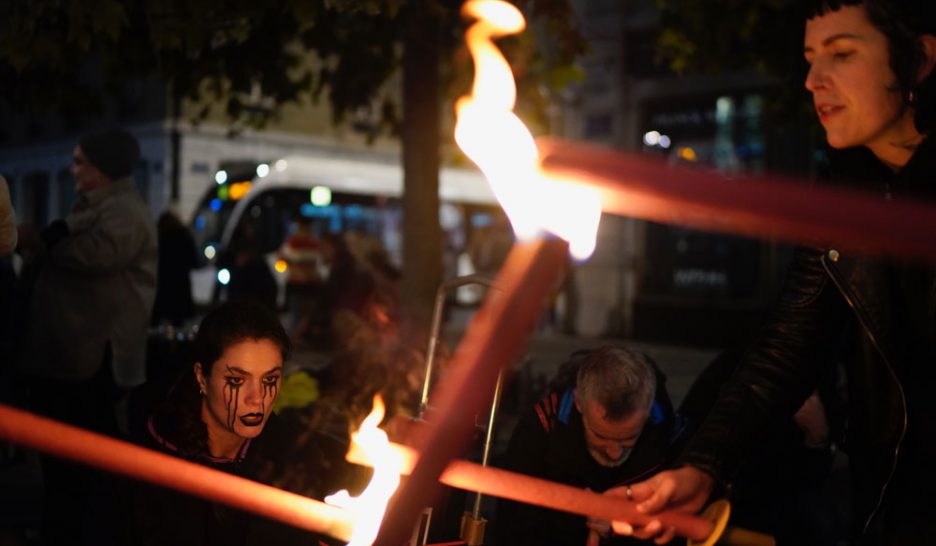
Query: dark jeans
point(69, 487)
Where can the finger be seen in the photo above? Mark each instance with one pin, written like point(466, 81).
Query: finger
point(639, 491)
point(659, 499)
point(622, 528)
point(666, 536)
point(649, 531)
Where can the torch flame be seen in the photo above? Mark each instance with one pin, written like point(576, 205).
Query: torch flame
point(494, 138)
point(368, 508)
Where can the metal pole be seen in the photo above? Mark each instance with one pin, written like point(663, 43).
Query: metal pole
point(443, 290)
point(476, 513)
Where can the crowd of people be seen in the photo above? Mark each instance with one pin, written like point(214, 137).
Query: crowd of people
point(843, 363)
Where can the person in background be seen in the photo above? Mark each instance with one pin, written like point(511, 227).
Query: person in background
point(7, 221)
point(303, 256)
point(871, 77)
point(8, 238)
point(250, 274)
point(89, 311)
point(177, 258)
point(606, 420)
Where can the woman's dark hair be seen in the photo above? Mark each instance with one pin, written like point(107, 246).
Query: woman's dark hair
point(902, 22)
point(179, 417)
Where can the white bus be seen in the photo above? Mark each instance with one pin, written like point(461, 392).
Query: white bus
point(335, 194)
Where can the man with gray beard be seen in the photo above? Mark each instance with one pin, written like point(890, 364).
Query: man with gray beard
point(606, 420)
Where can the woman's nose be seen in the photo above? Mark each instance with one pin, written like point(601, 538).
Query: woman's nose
point(253, 394)
point(816, 78)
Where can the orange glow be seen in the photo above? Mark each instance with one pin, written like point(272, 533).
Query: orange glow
point(280, 266)
point(239, 189)
point(494, 138)
point(368, 508)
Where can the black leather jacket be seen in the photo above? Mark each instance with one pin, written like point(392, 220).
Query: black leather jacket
point(830, 295)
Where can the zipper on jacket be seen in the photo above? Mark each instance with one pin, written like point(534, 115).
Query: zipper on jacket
point(843, 289)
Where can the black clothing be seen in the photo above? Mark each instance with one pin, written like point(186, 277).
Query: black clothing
point(177, 258)
point(887, 310)
point(90, 405)
point(784, 488)
point(153, 515)
point(549, 442)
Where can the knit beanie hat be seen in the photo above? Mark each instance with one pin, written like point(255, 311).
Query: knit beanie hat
point(113, 151)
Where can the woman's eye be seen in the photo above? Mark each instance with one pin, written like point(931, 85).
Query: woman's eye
point(234, 381)
point(842, 55)
point(271, 380)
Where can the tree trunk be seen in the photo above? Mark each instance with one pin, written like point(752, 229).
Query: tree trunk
point(422, 235)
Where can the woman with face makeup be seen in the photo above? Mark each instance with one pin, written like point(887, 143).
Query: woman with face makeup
point(223, 403)
point(219, 413)
point(872, 84)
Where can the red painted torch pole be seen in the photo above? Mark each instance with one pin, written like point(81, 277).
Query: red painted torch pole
point(151, 466)
point(753, 206)
point(495, 338)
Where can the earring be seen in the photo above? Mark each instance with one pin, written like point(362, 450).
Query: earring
point(911, 98)
point(201, 391)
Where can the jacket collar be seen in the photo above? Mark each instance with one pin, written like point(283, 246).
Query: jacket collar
point(916, 177)
point(98, 195)
point(859, 168)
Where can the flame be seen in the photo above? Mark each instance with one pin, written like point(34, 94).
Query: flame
point(369, 507)
point(494, 138)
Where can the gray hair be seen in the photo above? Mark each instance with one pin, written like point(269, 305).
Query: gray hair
point(622, 381)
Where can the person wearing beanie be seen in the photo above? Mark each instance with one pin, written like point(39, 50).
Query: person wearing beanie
point(86, 326)
point(113, 154)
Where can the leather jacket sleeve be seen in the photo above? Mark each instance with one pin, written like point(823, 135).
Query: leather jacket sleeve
point(777, 372)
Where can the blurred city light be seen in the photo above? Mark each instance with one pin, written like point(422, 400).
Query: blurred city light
point(651, 138)
point(224, 276)
point(221, 177)
point(320, 196)
point(239, 189)
point(687, 154)
point(262, 170)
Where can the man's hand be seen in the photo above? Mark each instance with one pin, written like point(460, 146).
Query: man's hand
point(683, 490)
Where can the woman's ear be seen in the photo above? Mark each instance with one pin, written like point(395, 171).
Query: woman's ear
point(200, 378)
point(928, 41)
